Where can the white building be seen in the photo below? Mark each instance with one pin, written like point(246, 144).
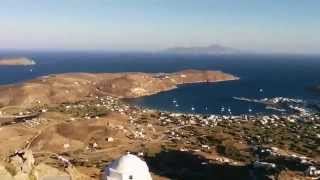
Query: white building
point(312, 171)
point(128, 167)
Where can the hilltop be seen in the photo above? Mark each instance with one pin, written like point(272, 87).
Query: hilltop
point(21, 61)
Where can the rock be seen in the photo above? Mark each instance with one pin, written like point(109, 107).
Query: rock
point(76, 175)
point(110, 139)
point(29, 161)
point(66, 146)
point(45, 172)
point(23, 161)
point(22, 176)
point(23, 168)
point(4, 174)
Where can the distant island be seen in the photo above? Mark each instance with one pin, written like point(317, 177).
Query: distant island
point(21, 61)
point(213, 49)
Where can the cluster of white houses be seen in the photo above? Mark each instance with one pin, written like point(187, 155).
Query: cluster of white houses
point(131, 167)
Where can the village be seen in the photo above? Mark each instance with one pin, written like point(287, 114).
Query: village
point(272, 143)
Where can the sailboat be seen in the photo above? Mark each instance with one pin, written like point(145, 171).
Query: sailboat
point(222, 109)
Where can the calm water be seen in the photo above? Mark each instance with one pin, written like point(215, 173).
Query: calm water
point(287, 76)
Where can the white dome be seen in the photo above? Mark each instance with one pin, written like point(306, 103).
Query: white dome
point(128, 167)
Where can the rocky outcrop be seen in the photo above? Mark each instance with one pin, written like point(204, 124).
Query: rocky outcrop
point(5, 174)
point(21, 166)
point(43, 171)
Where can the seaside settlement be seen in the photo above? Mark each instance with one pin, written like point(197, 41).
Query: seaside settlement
point(78, 139)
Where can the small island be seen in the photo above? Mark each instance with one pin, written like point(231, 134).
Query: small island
point(21, 61)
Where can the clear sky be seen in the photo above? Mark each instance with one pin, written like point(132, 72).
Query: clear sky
point(258, 25)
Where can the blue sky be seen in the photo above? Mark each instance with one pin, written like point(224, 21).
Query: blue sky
point(291, 26)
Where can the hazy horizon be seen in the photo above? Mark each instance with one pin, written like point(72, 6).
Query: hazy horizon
point(288, 26)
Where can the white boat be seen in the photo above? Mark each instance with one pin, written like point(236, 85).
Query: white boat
point(222, 109)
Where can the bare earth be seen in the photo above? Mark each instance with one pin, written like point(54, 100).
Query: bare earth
point(16, 62)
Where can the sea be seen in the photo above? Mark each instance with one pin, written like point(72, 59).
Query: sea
point(261, 76)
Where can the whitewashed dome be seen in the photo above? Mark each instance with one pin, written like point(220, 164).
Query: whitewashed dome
point(128, 167)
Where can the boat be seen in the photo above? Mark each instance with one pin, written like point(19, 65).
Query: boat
point(222, 109)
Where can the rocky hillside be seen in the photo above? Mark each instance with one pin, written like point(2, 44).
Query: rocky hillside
point(61, 88)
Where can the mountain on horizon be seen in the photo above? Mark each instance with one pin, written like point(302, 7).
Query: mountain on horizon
point(213, 49)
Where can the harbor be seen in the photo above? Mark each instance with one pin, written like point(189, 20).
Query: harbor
point(244, 140)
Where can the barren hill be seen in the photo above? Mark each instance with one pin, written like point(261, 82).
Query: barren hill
point(72, 87)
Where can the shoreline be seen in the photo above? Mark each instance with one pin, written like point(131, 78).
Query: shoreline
point(82, 117)
point(180, 133)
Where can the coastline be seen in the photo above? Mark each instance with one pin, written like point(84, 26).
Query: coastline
point(73, 87)
point(82, 117)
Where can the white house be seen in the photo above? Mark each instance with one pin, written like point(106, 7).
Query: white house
point(128, 167)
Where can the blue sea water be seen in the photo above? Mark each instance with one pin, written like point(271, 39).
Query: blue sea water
point(278, 75)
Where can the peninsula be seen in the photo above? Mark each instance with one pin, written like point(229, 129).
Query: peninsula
point(74, 87)
point(21, 61)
